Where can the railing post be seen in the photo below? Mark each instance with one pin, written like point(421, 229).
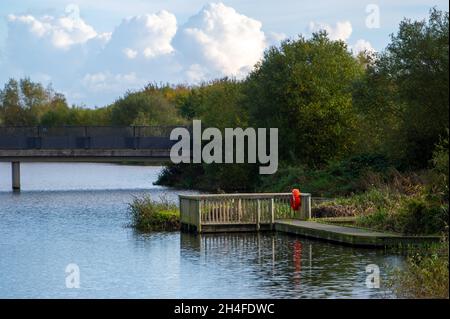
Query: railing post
point(199, 216)
point(308, 208)
point(239, 209)
point(272, 212)
point(258, 214)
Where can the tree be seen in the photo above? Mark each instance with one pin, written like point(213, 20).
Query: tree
point(304, 89)
point(405, 90)
point(144, 108)
point(217, 103)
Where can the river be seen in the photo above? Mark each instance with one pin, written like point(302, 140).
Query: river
point(76, 214)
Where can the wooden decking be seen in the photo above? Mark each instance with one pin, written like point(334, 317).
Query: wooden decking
point(348, 235)
point(271, 211)
point(238, 212)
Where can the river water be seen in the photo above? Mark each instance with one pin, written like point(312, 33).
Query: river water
point(75, 215)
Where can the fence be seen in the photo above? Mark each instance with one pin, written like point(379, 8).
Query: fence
point(215, 212)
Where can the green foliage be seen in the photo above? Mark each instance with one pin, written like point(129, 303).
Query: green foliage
point(421, 216)
point(304, 89)
point(403, 203)
point(337, 178)
point(144, 108)
point(440, 163)
point(403, 100)
point(415, 215)
point(425, 274)
point(24, 102)
point(181, 175)
point(217, 104)
point(210, 177)
point(150, 215)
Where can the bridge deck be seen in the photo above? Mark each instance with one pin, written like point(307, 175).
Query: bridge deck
point(86, 143)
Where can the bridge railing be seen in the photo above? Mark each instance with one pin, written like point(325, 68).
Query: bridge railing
point(201, 211)
point(85, 137)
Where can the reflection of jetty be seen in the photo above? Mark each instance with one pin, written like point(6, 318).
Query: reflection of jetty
point(272, 211)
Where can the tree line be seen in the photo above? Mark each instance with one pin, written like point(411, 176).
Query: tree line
point(374, 110)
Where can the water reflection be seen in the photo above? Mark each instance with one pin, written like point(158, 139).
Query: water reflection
point(280, 265)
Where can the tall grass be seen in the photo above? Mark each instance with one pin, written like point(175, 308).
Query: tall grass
point(150, 215)
point(403, 205)
point(425, 274)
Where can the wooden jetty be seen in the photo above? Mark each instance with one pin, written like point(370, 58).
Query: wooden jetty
point(348, 235)
point(210, 213)
point(238, 212)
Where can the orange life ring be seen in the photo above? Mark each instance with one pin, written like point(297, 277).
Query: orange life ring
point(296, 199)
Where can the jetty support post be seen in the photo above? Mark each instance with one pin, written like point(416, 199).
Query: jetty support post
point(15, 173)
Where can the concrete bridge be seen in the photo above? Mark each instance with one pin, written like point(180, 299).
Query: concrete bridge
point(83, 144)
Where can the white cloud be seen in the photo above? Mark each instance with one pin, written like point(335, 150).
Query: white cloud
point(147, 35)
point(361, 46)
point(95, 68)
point(341, 31)
point(108, 82)
point(221, 40)
point(62, 32)
point(130, 53)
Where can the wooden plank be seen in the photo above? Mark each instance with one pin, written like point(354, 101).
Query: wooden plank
point(349, 235)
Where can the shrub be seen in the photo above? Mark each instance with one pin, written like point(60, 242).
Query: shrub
point(425, 274)
point(387, 209)
point(337, 178)
point(440, 170)
point(150, 215)
point(420, 216)
point(410, 215)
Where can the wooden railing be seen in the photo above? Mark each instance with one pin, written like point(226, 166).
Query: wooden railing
point(201, 211)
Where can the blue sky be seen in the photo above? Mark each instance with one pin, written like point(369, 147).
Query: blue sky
point(93, 51)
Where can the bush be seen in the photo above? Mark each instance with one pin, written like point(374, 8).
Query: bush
point(210, 177)
point(425, 275)
point(410, 215)
point(440, 170)
point(420, 216)
point(149, 215)
point(337, 178)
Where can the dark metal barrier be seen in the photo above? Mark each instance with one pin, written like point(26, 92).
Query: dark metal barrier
point(86, 137)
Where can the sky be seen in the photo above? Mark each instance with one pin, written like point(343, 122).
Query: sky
point(95, 51)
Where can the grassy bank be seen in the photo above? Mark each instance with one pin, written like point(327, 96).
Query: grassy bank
point(425, 274)
point(150, 215)
point(409, 203)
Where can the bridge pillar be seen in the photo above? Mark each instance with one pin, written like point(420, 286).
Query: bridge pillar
point(15, 170)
